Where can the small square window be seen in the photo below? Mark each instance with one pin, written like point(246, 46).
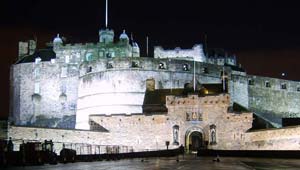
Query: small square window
point(161, 66)
point(251, 82)
point(268, 84)
point(89, 69)
point(283, 86)
point(298, 89)
point(185, 67)
point(52, 61)
point(37, 60)
point(109, 65)
point(205, 70)
point(134, 64)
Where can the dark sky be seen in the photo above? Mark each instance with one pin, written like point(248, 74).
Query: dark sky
point(263, 34)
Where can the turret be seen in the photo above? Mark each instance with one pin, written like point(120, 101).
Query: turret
point(124, 38)
point(135, 50)
point(26, 48)
point(57, 42)
point(106, 36)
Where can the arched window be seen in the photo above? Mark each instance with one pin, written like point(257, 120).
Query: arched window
point(89, 57)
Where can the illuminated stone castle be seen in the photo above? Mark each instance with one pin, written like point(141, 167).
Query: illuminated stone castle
point(63, 85)
point(106, 93)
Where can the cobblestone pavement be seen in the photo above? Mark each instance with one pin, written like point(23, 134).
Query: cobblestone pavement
point(189, 162)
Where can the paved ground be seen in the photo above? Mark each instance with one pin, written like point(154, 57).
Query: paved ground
point(188, 163)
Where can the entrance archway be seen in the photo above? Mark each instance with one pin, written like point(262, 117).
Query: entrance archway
point(194, 139)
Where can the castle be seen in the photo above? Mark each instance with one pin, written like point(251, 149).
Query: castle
point(106, 93)
point(54, 87)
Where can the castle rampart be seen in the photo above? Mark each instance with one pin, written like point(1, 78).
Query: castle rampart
point(274, 98)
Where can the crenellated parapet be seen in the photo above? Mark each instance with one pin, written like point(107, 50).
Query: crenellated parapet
point(196, 53)
point(205, 101)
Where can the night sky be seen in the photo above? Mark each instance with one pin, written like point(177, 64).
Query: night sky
point(264, 35)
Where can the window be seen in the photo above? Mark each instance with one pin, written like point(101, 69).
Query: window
point(36, 88)
point(63, 88)
point(108, 55)
point(185, 67)
point(251, 82)
point(134, 64)
point(175, 135)
point(283, 86)
point(267, 84)
point(150, 84)
point(89, 57)
point(52, 61)
point(37, 60)
point(67, 59)
point(205, 70)
point(298, 89)
point(89, 69)
point(109, 65)
point(161, 66)
point(64, 72)
point(101, 53)
point(36, 72)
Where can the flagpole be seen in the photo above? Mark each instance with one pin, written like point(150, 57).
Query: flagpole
point(147, 40)
point(106, 14)
point(194, 74)
point(223, 79)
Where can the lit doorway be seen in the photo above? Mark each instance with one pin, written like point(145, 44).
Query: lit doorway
point(194, 141)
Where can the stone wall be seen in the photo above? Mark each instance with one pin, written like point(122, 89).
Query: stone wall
point(58, 136)
point(120, 88)
point(3, 129)
point(150, 132)
point(144, 136)
point(238, 88)
point(274, 139)
point(44, 94)
point(280, 99)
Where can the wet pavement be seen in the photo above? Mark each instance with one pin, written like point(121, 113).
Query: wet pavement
point(189, 162)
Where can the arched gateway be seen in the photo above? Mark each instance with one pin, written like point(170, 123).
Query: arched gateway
point(194, 139)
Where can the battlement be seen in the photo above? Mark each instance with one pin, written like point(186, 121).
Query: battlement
point(196, 53)
point(222, 99)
